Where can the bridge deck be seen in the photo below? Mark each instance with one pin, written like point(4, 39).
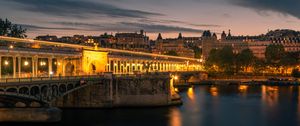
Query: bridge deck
point(24, 81)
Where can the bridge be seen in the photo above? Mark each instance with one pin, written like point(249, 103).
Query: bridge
point(37, 73)
point(32, 58)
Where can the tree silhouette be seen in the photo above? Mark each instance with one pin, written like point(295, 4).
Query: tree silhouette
point(11, 30)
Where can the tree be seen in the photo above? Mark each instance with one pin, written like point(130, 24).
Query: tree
point(221, 60)
point(296, 73)
point(245, 59)
point(197, 51)
point(171, 53)
point(259, 65)
point(11, 30)
point(289, 59)
point(227, 59)
point(274, 54)
point(213, 60)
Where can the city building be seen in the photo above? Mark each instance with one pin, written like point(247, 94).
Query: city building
point(177, 45)
point(47, 38)
point(257, 44)
point(132, 41)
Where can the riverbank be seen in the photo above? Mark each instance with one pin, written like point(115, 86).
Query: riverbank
point(30, 114)
point(255, 80)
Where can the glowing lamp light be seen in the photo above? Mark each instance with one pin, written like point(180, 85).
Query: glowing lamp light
point(176, 90)
point(26, 63)
point(201, 60)
point(6, 62)
point(176, 77)
point(51, 72)
point(11, 46)
point(42, 63)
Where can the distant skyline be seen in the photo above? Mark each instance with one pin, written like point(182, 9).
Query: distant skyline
point(169, 17)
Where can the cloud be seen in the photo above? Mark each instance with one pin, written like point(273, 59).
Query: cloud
point(163, 21)
point(285, 7)
point(160, 28)
point(80, 9)
point(35, 27)
point(127, 27)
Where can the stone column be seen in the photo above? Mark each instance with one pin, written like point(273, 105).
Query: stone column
point(107, 65)
point(50, 66)
point(125, 67)
point(63, 67)
point(130, 66)
point(160, 67)
point(36, 65)
point(19, 66)
point(117, 67)
point(32, 66)
point(113, 66)
point(14, 66)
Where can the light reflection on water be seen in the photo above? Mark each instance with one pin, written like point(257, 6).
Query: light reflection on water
point(234, 105)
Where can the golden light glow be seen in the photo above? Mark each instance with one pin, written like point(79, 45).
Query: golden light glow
point(98, 59)
point(176, 77)
point(176, 89)
point(175, 117)
point(243, 88)
point(191, 93)
point(270, 95)
point(214, 91)
point(11, 46)
point(42, 63)
point(26, 63)
point(6, 62)
point(36, 46)
point(91, 48)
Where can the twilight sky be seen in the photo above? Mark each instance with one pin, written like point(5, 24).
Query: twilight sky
point(191, 17)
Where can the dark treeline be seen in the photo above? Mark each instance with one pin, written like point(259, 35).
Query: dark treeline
point(227, 62)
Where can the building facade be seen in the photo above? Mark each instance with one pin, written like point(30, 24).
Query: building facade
point(164, 46)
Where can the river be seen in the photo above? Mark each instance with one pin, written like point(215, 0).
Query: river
point(203, 106)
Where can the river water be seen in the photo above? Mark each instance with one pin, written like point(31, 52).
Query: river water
point(203, 106)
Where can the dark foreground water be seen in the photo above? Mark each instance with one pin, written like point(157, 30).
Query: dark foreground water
point(203, 106)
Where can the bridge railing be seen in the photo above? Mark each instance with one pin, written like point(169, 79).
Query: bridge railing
point(35, 79)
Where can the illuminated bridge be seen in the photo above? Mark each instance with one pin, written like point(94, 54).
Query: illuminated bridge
point(32, 58)
point(40, 73)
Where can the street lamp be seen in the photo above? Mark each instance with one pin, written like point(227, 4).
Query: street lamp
point(26, 63)
point(42, 63)
point(176, 77)
point(6, 62)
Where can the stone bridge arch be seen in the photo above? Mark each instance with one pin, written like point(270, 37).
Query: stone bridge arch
point(12, 100)
point(38, 94)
